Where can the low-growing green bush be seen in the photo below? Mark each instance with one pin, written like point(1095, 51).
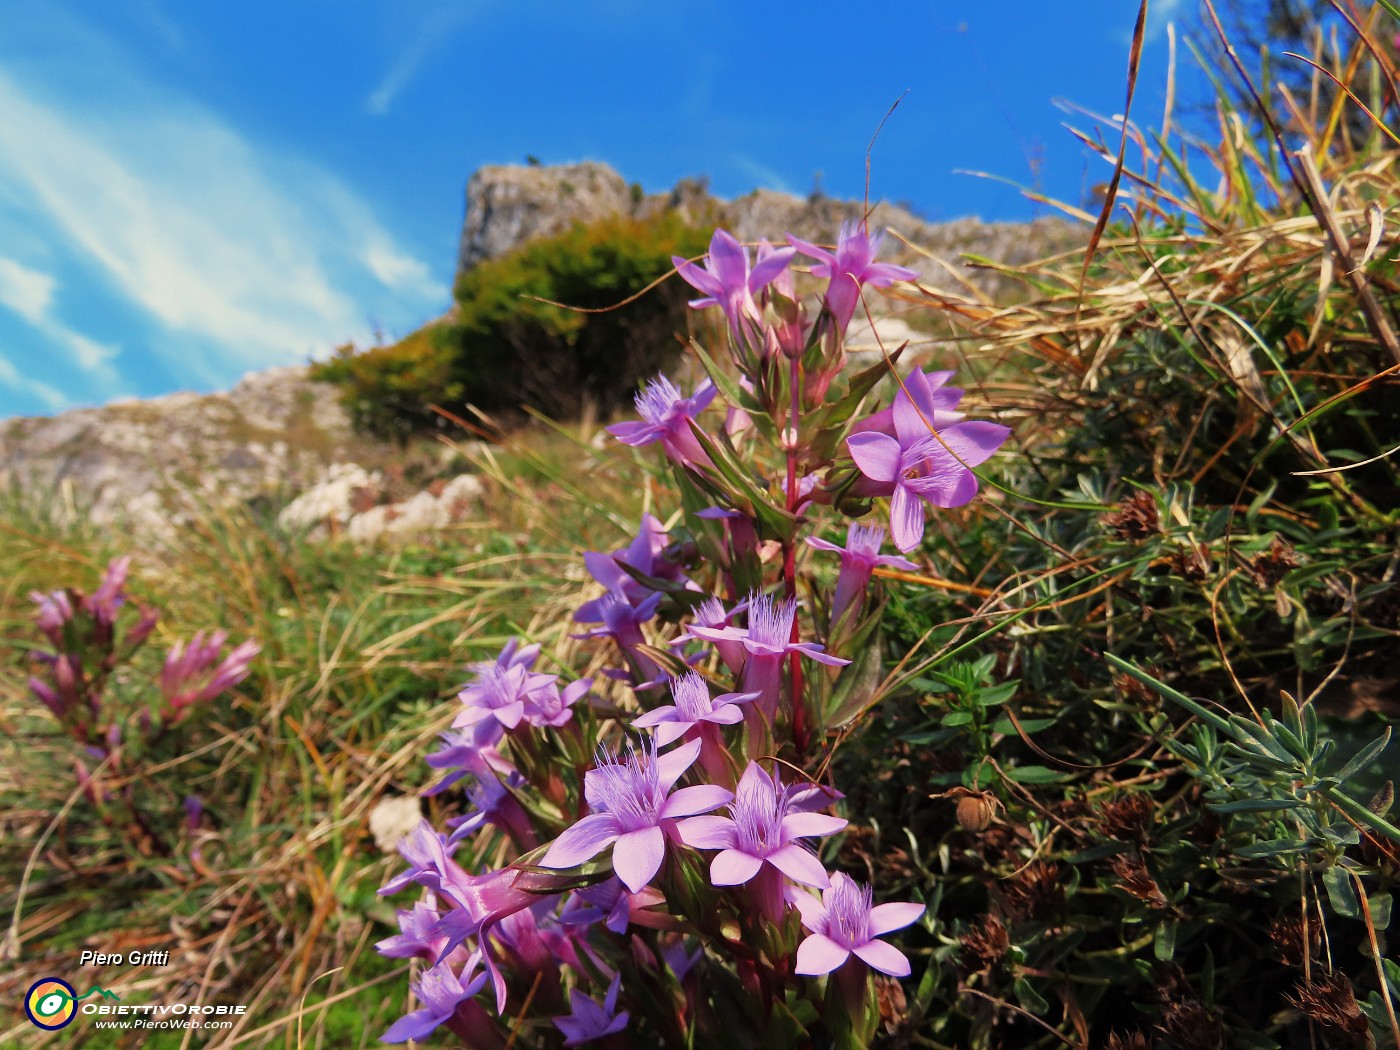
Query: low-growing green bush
point(563, 324)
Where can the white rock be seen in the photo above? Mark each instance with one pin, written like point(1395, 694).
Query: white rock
point(392, 819)
point(332, 500)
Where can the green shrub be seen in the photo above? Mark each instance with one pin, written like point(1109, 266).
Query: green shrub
point(507, 345)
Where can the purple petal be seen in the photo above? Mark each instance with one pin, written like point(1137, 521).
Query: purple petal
point(811, 250)
point(671, 766)
point(727, 715)
point(697, 799)
point(733, 868)
point(877, 455)
point(637, 856)
point(510, 715)
point(669, 732)
point(809, 906)
point(911, 421)
point(655, 717)
point(635, 432)
point(706, 832)
point(800, 865)
point(585, 840)
point(767, 269)
point(906, 518)
point(974, 441)
point(815, 652)
point(819, 954)
point(824, 545)
point(887, 917)
point(698, 278)
point(894, 561)
point(884, 957)
point(801, 825)
point(417, 1025)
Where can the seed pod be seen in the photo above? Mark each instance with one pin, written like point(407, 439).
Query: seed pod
point(976, 810)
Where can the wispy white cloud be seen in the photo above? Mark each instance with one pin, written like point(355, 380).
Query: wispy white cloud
point(49, 396)
point(27, 292)
point(30, 294)
point(429, 37)
point(245, 257)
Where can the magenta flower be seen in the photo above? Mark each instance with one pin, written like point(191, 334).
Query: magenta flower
point(110, 595)
point(859, 558)
point(193, 673)
point(55, 611)
point(844, 924)
point(918, 466)
point(767, 638)
point(693, 707)
point(440, 991)
point(762, 829)
point(851, 266)
point(727, 280)
point(634, 811)
point(588, 1019)
point(666, 417)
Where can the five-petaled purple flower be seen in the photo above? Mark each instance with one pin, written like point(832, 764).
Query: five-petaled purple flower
point(729, 283)
point(859, 558)
point(843, 924)
point(768, 638)
point(762, 828)
point(440, 990)
point(919, 465)
point(850, 266)
point(693, 707)
point(666, 417)
point(589, 1020)
point(634, 811)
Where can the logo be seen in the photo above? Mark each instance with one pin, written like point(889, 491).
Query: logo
point(51, 1002)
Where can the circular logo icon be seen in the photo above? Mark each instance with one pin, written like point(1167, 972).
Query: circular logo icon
point(51, 1004)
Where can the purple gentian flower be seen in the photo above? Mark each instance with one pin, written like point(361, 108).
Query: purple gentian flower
point(512, 654)
point(727, 280)
point(693, 707)
point(502, 694)
point(643, 554)
point(416, 938)
point(768, 638)
point(666, 417)
point(622, 622)
point(440, 990)
point(110, 595)
point(917, 465)
point(464, 755)
point(859, 558)
point(711, 613)
point(936, 403)
point(589, 1020)
point(634, 811)
point(610, 901)
point(550, 707)
point(427, 858)
point(852, 265)
point(762, 829)
point(844, 924)
point(190, 674)
point(55, 611)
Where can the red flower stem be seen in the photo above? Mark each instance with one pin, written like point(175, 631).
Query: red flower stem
point(799, 714)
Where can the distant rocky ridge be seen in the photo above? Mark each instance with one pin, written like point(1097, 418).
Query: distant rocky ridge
point(510, 204)
point(279, 436)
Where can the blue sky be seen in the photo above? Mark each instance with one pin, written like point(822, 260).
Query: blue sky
point(192, 191)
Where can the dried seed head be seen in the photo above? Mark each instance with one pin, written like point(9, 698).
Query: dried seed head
point(984, 944)
point(1190, 1025)
point(1131, 1041)
point(976, 810)
point(1134, 878)
point(1330, 1001)
point(1127, 817)
point(1136, 518)
point(1035, 893)
point(1287, 936)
